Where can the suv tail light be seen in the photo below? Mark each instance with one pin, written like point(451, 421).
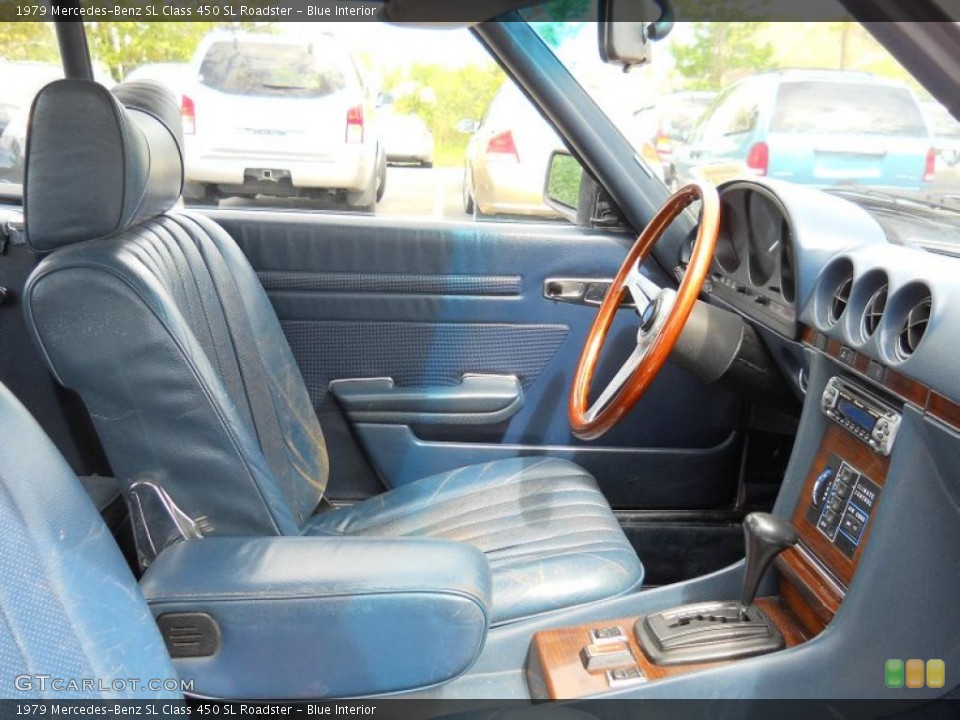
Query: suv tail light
point(189, 115)
point(664, 144)
point(930, 169)
point(502, 147)
point(758, 159)
point(355, 124)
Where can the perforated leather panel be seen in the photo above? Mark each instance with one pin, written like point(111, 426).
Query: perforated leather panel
point(417, 354)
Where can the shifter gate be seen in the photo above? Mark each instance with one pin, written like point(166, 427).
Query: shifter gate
point(706, 632)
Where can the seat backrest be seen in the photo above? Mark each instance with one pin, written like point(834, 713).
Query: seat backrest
point(157, 319)
point(70, 608)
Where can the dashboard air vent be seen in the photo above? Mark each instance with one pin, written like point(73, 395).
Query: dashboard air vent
point(874, 312)
point(914, 326)
point(841, 296)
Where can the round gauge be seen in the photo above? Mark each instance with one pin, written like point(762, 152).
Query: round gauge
point(730, 249)
point(766, 238)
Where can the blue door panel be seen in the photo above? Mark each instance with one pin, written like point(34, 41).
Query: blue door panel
point(426, 302)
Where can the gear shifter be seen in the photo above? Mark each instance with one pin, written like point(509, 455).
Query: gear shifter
point(723, 630)
point(766, 537)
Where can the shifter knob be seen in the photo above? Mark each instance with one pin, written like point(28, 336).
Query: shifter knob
point(765, 536)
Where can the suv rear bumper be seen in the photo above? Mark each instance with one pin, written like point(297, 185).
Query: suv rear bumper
point(352, 171)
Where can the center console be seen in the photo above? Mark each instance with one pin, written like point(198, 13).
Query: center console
point(816, 548)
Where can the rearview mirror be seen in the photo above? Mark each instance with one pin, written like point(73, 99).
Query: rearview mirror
point(468, 127)
point(562, 190)
point(626, 26)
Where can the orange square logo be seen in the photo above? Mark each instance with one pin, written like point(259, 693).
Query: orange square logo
point(915, 673)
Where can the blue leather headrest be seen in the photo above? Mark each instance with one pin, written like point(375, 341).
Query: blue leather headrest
point(99, 161)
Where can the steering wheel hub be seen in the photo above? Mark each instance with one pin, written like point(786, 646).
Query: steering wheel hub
point(662, 312)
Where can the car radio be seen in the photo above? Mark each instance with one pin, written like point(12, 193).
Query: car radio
point(861, 413)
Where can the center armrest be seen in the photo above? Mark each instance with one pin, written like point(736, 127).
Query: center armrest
point(313, 617)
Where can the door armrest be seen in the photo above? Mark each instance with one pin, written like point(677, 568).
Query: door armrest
point(477, 400)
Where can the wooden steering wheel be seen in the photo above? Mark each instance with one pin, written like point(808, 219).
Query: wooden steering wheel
point(662, 311)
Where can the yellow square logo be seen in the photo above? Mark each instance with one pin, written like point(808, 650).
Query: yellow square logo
point(936, 673)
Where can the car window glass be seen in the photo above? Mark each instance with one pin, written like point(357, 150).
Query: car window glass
point(732, 116)
point(272, 69)
point(29, 59)
point(822, 104)
point(366, 118)
point(846, 109)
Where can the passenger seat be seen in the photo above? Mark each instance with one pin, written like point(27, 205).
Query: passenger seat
point(70, 608)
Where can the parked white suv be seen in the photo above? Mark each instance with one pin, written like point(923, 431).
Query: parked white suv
point(271, 115)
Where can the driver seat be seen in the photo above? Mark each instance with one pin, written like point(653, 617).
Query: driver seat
point(158, 321)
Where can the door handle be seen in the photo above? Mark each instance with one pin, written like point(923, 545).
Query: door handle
point(579, 291)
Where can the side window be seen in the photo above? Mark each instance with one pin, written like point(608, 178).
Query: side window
point(708, 126)
point(351, 117)
point(735, 114)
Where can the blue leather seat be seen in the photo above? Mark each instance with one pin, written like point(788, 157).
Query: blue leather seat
point(70, 608)
point(158, 321)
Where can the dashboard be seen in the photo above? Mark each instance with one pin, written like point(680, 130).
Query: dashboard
point(791, 258)
point(753, 263)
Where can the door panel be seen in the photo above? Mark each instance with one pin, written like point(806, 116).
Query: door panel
point(427, 302)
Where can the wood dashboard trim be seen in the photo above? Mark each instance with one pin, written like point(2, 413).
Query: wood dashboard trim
point(899, 385)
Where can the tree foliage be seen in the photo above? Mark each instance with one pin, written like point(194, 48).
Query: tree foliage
point(20, 41)
point(117, 46)
point(722, 52)
point(443, 96)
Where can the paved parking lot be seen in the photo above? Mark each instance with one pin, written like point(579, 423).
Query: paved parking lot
point(437, 193)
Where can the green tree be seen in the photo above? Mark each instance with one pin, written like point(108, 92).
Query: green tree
point(118, 46)
point(443, 96)
point(124, 46)
point(35, 41)
point(720, 52)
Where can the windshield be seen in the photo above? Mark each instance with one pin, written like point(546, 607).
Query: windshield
point(819, 104)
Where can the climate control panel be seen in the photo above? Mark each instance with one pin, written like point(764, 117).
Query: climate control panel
point(841, 504)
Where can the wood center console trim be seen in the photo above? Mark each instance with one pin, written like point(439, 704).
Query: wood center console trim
point(907, 389)
point(555, 671)
point(836, 441)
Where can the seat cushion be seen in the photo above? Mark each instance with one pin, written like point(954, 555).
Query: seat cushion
point(547, 531)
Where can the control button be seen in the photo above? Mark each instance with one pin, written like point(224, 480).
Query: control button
point(845, 475)
point(608, 655)
point(830, 516)
point(851, 527)
point(841, 490)
point(624, 676)
point(836, 505)
point(610, 634)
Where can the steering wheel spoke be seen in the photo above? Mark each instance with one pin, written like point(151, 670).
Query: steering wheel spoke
point(642, 291)
point(663, 313)
point(616, 384)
